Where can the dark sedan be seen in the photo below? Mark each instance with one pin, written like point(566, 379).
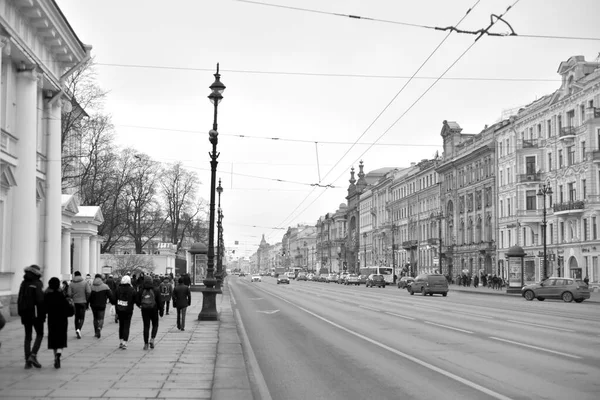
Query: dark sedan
point(283, 279)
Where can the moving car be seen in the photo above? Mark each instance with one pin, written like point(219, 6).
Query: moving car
point(301, 276)
point(429, 284)
point(255, 278)
point(352, 279)
point(283, 279)
point(567, 289)
point(375, 280)
point(405, 281)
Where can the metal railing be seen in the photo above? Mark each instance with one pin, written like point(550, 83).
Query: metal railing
point(569, 205)
point(533, 177)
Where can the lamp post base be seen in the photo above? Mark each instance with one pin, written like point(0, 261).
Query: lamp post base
point(209, 304)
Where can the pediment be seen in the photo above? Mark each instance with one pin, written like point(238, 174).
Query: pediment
point(69, 204)
point(89, 214)
point(7, 177)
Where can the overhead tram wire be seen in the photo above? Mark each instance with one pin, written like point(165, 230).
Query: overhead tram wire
point(426, 91)
point(452, 28)
point(327, 75)
point(289, 217)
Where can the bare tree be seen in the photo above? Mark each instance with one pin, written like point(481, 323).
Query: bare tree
point(145, 219)
point(123, 264)
point(179, 188)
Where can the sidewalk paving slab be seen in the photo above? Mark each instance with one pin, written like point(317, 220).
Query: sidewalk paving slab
point(206, 361)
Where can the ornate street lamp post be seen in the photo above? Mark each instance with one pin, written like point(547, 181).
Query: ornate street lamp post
point(219, 274)
point(365, 248)
point(209, 292)
point(544, 190)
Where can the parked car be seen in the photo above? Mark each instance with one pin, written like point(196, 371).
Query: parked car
point(256, 278)
point(567, 289)
point(429, 284)
point(301, 276)
point(331, 278)
point(362, 279)
point(352, 279)
point(405, 281)
point(323, 277)
point(342, 278)
point(282, 278)
point(310, 277)
point(375, 280)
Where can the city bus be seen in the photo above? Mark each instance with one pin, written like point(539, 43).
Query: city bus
point(387, 272)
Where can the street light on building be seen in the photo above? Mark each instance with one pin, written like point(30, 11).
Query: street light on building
point(365, 248)
point(545, 189)
point(209, 292)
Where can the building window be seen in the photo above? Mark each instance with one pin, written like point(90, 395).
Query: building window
point(551, 234)
point(549, 128)
point(561, 198)
point(530, 200)
point(594, 229)
point(572, 191)
point(508, 207)
point(582, 113)
point(562, 231)
point(509, 237)
point(583, 155)
point(571, 155)
point(500, 149)
point(501, 239)
point(501, 208)
point(549, 161)
point(560, 158)
point(583, 189)
point(585, 229)
point(530, 165)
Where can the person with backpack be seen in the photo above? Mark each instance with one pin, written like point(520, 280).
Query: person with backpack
point(58, 309)
point(182, 299)
point(80, 292)
point(100, 295)
point(149, 301)
point(166, 291)
point(31, 309)
point(123, 301)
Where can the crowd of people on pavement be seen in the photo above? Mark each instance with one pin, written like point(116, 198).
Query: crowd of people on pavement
point(152, 294)
point(490, 281)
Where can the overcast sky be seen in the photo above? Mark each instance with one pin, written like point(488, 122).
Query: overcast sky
point(307, 77)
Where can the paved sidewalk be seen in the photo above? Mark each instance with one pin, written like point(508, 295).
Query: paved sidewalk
point(594, 296)
point(205, 361)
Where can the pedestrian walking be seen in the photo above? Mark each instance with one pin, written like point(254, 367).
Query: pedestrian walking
point(80, 292)
point(112, 285)
point(57, 308)
point(166, 291)
point(124, 300)
point(30, 306)
point(182, 299)
point(100, 295)
point(148, 299)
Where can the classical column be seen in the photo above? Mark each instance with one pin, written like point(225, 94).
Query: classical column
point(25, 239)
point(77, 266)
point(94, 255)
point(65, 256)
point(84, 256)
point(53, 247)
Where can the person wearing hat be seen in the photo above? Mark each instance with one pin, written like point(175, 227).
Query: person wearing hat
point(149, 300)
point(32, 312)
point(58, 318)
point(123, 301)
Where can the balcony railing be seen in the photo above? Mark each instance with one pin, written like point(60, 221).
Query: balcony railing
point(534, 177)
point(567, 131)
point(569, 206)
point(410, 244)
point(530, 144)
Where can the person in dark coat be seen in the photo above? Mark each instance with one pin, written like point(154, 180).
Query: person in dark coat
point(187, 281)
point(100, 295)
point(123, 300)
point(31, 309)
point(146, 295)
point(182, 299)
point(166, 291)
point(57, 308)
point(112, 285)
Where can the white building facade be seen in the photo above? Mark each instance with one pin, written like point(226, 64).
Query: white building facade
point(38, 224)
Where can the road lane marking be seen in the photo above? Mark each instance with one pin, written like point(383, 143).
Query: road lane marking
point(536, 347)
point(471, 314)
point(255, 298)
point(369, 308)
point(542, 326)
point(449, 327)
point(399, 315)
point(422, 363)
point(268, 311)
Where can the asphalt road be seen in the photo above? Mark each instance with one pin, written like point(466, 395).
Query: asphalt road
point(327, 341)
